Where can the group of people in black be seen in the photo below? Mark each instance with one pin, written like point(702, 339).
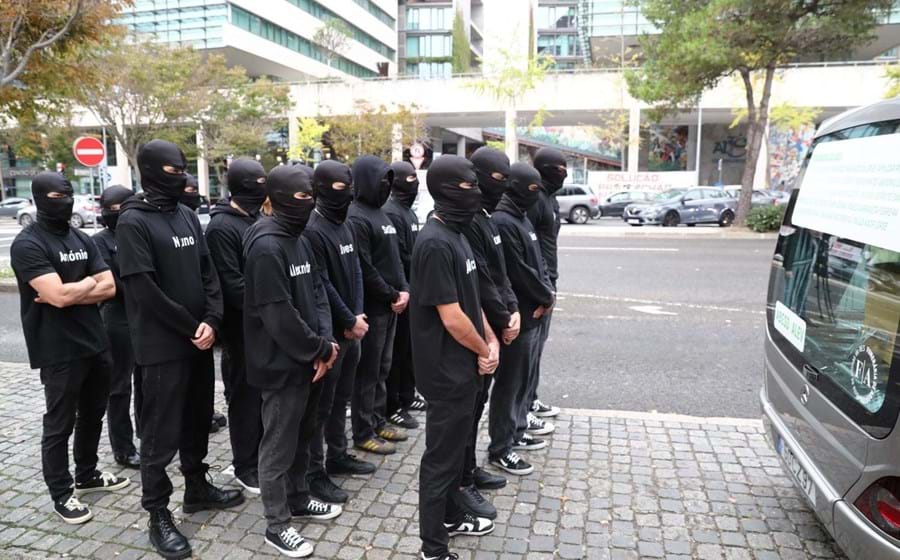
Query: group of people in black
point(323, 291)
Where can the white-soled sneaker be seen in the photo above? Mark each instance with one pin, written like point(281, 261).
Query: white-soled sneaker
point(72, 511)
point(290, 543)
point(539, 427)
point(101, 482)
point(470, 526)
point(513, 464)
point(318, 510)
point(542, 410)
point(529, 443)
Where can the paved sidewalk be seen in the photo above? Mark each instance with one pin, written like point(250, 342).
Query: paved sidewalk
point(611, 485)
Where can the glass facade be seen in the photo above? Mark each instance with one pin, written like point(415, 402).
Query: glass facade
point(556, 17)
point(428, 70)
point(429, 19)
point(429, 46)
point(195, 22)
point(606, 18)
point(558, 45)
point(321, 12)
point(376, 11)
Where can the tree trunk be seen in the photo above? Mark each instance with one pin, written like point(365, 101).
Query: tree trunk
point(756, 126)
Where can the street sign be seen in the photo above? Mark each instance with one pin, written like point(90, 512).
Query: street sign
point(89, 151)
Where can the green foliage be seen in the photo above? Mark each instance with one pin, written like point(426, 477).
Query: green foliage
point(766, 218)
point(496, 144)
point(462, 54)
point(307, 138)
point(512, 77)
point(892, 73)
point(332, 38)
point(370, 130)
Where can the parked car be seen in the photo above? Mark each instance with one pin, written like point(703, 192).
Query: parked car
point(698, 205)
point(10, 207)
point(614, 205)
point(831, 388)
point(757, 198)
point(781, 196)
point(84, 212)
point(577, 204)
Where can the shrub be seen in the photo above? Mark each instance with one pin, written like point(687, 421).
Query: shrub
point(766, 218)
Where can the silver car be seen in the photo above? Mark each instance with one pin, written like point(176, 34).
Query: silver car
point(577, 204)
point(84, 211)
point(831, 392)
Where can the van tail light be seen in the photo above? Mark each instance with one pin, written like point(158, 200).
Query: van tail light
point(880, 505)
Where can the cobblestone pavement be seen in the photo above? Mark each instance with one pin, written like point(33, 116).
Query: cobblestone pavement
point(610, 485)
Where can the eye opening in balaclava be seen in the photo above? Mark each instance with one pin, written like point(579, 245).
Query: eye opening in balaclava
point(405, 187)
point(551, 164)
point(492, 169)
point(162, 166)
point(332, 202)
point(453, 185)
point(246, 181)
point(53, 212)
point(110, 200)
point(282, 186)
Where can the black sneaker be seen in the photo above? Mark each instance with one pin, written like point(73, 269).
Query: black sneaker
point(418, 404)
point(513, 464)
point(101, 482)
point(476, 504)
point(317, 510)
point(488, 481)
point(323, 488)
point(289, 542)
point(542, 410)
point(250, 482)
point(403, 419)
point(470, 526)
point(165, 536)
point(349, 464)
point(200, 494)
point(448, 556)
point(539, 427)
point(529, 443)
point(72, 511)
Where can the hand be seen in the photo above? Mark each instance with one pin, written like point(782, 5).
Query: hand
point(399, 306)
point(39, 299)
point(512, 329)
point(488, 365)
point(321, 370)
point(335, 349)
point(539, 312)
point(361, 327)
point(205, 337)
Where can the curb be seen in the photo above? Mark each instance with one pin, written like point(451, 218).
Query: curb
point(661, 417)
point(687, 233)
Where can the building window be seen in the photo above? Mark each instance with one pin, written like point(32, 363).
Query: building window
point(429, 46)
point(428, 70)
point(429, 19)
point(319, 11)
point(556, 17)
point(558, 45)
point(376, 11)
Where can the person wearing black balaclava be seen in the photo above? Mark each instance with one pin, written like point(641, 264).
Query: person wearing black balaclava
point(229, 219)
point(61, 278)
point(332, 243)
point(118, 416)
point(528, 277)
point(174, 306)
point(453, 345)
point(385, 294)
point(401, 381)
point(544, 215)
point(287, 331)
point(190, 195)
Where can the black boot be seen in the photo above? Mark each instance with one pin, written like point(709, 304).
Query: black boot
point(200, 494)
point(165, 536)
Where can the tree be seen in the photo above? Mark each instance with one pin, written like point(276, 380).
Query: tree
point(45, 141)
point(308, 135)
point(462, 54)
point(702, 42)
point(332, 37)
point(892, 73)
point(370, 130)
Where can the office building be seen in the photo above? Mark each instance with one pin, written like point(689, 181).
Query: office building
point(425, 30)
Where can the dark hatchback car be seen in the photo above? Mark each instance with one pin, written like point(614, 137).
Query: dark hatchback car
point(614, 205)
point(697, 205)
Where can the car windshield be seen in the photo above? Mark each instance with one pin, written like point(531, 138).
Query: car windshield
point(670, 194)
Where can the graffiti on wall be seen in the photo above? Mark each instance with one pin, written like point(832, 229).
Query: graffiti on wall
point(668, 148)
point(787, 148)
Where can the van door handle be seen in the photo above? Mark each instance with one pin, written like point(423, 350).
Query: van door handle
point(811, 373)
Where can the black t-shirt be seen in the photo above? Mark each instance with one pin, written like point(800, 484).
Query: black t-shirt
point(224, 237)
point(407, 225)
point(443, 271)
point(497, 297)
point(544, 216)
point(55, 335)
point(112, 310)
point(379, 257)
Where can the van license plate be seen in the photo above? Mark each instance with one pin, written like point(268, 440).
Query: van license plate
point(634, 221)
point(801, 477)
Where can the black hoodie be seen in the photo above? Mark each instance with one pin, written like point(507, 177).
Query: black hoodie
point(375, 235)
point(545, 214)
point(170, 281)
point(287, 322)
point(224, 235)
point(400, 213)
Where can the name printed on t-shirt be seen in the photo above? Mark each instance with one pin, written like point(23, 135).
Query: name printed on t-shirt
point(295, 270)
point(388, 230)
point(346, 249)
point(73, 256)
point(497, 240)
point(181, 242)
point(532, 235)
point(470, 266)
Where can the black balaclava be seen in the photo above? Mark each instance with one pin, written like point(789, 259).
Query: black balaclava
point(521, 177)
point(372, 179)
point(112, 195)
point(163, 189)
point(281, 185)
point(453, 204)
point(488, 162)
point(247, 184)
point(306, 169)
point(405, 186)
point(330, 202)
point(53, 213)
point(190, 196)
point(551, 164)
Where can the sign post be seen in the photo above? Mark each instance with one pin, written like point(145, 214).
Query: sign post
point(90, 152)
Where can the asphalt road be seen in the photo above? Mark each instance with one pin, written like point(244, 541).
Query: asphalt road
point(669, 325)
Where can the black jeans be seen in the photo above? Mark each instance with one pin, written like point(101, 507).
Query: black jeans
point(401, 381)
point(370, 393)
point(244, 401)
point(535, 381)
point(289, 417)
point(75, 393)
point(331, 418)
point(447, 425)
point(118, 412)
point(510, 390)
point(484, 390)
point(175, 417)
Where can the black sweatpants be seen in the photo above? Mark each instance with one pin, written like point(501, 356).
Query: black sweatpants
point(447, 425)
point(535, 380)
point(118, 411)
point(331, 418)
point(175, 417)
point(244, 401)
point(369, 392)
point(75, 393)
point(289, 417)
point(510, 390)
point(484, 391)
point(401, 381)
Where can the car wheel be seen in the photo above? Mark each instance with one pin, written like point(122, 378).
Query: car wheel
point(579, 215)
point(727, 218)
point(599, 213)
point(76, 221)
point(635, 225)
point(671, 219)
point(26, 220)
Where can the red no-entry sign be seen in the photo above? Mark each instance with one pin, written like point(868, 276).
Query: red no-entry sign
point(89, 151)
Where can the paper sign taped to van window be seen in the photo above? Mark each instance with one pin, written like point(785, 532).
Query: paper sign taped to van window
point(851, 189)
point(791, 326)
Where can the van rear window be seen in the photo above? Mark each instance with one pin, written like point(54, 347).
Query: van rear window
point(834, 295)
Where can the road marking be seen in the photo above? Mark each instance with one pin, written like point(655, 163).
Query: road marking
point(624, 249)
point(665, 303)
point(651, 310)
